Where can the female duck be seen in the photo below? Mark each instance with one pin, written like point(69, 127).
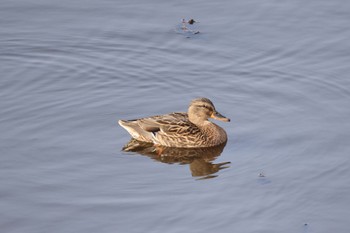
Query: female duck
point(185, 130)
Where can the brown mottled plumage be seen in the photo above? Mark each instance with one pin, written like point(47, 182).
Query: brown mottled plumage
point(192, 129)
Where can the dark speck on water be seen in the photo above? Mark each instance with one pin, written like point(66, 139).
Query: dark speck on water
point(191, 21)
point(71, 69)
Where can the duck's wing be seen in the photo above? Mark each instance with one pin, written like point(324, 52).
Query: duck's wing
point(171, 130)
point(173, 123)
point(180, 128)
point(145, 129)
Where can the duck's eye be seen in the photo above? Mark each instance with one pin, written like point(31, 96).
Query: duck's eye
point(207, 107)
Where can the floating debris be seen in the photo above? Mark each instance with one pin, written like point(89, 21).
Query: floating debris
point(191, 21)
point(187, 28)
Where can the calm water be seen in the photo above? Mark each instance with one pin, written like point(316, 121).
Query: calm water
point(71, 69)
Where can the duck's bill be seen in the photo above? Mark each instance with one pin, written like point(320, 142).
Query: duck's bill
point(218, 116)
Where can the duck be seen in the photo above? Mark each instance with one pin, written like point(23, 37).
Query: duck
point(180, 129)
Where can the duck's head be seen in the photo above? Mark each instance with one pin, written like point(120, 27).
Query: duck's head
point(201, 109)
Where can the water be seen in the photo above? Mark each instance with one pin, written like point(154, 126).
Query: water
point(71, 69)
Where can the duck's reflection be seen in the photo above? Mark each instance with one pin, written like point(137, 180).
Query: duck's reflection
point(200, 160)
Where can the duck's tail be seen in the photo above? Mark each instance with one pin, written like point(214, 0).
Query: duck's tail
point(135, 130)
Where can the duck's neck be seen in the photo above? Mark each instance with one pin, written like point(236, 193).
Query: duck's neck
point(215, 133)
point(196, 120)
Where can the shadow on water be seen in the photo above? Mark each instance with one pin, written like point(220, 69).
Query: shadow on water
point(200, 160)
